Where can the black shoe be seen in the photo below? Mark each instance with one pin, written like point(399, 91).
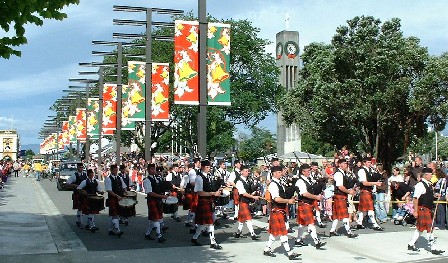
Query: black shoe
point(187, 225)
point(119, 233)
point(322, 225)
point(215, 246)
point(177, 219)
point(269, 254)
point(320, 244)
point(149, 237)
point(161, 239)
point(238, 234)
point(413, 248)
point(255, 237)
point(352, 235)
point(290, 230)
point(334, 234)
point(165, 228)
point(293, 256)
point(360, 227)
point(436, 251)
point(111, 233)
point(87, 228)
point(126, 222)
point(205, 234)
point(300, 243)
point(378, 228)
point(94, 228)
point(195, 242)
point(192, 230)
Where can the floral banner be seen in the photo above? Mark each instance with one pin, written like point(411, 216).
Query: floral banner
point(72, 129)
point(81, 125)
point(93, 126)
point(126, 123)
point(160, 107)
point(65, 133)
point(186, 62)
point(109, 107)
point(134, 104)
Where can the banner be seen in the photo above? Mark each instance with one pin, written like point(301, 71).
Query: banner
point(136, 90)
point(160, 107)
point(81, 124)
point(109, 107)
point(186, 62)
point(65, 133)
point(93, 126)
point(72, 129)
point(60, 142)
point(218, 64)
point(126, 123)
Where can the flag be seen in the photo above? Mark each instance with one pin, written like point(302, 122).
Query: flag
point(135, 100)
point(65, 133)
point(186, 62)
point(93, 108)
point(126, 123)
point(81, 125)
point(72, 129)
point(109, 107)
point(160, 107)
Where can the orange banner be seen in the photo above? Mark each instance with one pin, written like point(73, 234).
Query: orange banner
point(109, 107)
point(160, 107)
point(81, 124)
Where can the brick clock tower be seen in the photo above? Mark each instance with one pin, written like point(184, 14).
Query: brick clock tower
point(287, 57)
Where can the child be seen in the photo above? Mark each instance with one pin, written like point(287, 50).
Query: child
point(408, 207)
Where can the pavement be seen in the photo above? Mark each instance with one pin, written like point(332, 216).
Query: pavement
point(37, 226)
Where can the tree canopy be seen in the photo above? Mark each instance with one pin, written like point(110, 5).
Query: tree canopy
point(260, 143)
point(17, 14)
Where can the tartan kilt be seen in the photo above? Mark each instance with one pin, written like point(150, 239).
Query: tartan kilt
point(277, 219)
point(86, 208)
point(316, 205)
point(236, 196)
point(424, 219)
point(77, 200)
point(113, 206)
point(204, 211)
point(155, 211)
point(194, 203)
point(305, 214)
point(187, 201)
point(340, 209)
point(244, 212)
point(365, 201)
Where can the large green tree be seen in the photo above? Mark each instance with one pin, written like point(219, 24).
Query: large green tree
point(18, 13)
point(260, 143)
point(368, 89)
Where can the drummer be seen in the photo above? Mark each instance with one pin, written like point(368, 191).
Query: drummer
point(116, 189)
point(175, 178)
point(74, 181)
point(244, 214)
point(124, 174)
point(90, 187)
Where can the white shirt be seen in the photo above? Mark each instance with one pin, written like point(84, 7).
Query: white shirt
point(108, 182)
point(240, 186)
point(84, 182)
point(169, 177)
point(420, 188)
point(72, 178)
point(192, 175)
point(396, 178)
point(339, 178)
point(300, 184)
point(199, 184)
point(362, 176)
point(273, 188)
point(232, 176)
point(147, 184)
point(184, 181)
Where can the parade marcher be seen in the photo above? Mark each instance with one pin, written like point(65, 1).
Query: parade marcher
point(277, 217)
point(204, 212)
point(319, 186)
point(175, 178)
point(219, 177)
point(124, 174)
point(423, 204)
point(368, 181)
point(115, 188)
point(89, 187)
point(343, 187)
point(231, 181)
point(190, 195)
point(306, 197)
point(244, 213)
point(154, 196)
point(74, 181)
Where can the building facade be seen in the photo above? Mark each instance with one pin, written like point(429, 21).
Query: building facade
point(9, 144)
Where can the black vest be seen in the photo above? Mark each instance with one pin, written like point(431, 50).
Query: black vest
point(369, 178)
point(237, 176)
point(427, 199)
point(248, 190)
point(309, 189)
point(80, 177)
point(347, 182)
point(156, 185)
point(206, 184)
point(125, 178)
point(176, 179)
point(91, 186)
point(282, 194)
point(116, 185)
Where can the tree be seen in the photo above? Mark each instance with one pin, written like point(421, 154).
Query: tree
point(19, 13)
point(365, 89)
point(260, 143)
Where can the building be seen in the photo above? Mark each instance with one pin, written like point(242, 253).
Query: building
point(9, 146)
point(287, 57)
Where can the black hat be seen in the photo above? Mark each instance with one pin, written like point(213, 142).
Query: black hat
point(151, 165)
point(79, 164)
point(205, 163)
point(342, 160)
point(366, 159)
point(244, 167)
point(274, 159)
point(314, 164)
point(426, 170)
point(304, 166)
point(276, 169)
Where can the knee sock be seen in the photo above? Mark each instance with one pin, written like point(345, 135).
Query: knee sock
point(211, 233)
point(240, 227)
point(334, 225)
point(116, 223)
point(313, 233)
point(360, 218)
point(78, 216)
point(287, 225)
point(431, 240)
point(156, 224)
point(371, 215)
point(149, 229)
point(284, 240)
point(270, 242)
point(414, 237)
point(237, 209)
point(250, 227)
point(111, 223)
point(300, 231)
point(198, 231)
point(318, 219)
point(346, 222)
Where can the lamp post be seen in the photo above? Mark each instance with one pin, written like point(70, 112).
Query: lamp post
point(202, 72)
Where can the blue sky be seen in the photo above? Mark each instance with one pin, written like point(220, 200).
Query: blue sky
point(29, 85)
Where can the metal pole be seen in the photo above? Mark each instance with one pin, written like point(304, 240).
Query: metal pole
point(202, 116)
point(87, 144)
point(119, 94)
point(100, 120)
point(436, 146)
point(57, 135)
point(148, 82)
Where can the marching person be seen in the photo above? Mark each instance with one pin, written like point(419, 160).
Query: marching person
point(87, 187)
point(175, 178)
point(231, 181)
point(74, 181)
point(244, 214)
point(204, 213)
point(277, 217)
point(319, 186)
point(305, 216)
point(190, 195)
point(424, 204)
point(344, 186)
point(115, 188)
point(154, 196)
point(124, 174)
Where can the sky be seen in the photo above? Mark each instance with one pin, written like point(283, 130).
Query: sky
point(30, 84)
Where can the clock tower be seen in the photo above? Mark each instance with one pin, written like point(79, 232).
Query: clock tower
point(287, 57)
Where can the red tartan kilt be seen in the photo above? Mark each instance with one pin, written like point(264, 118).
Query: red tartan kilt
point(244, 212)
point(77, 200)
point(204, 212)
point(187, 201)
point(236, 196)
point(316, 205)
point(340, 208)
point(155, 211)
point(113, 206)
point(277, 225)
point(424, 219)
point(365, 201)
point(86, 208)
point(194, 203)
point(305, 214)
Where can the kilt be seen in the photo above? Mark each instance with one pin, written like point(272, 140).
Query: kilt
point(86, 208)
point(365, 201)
point(236, 196)
point(244, 212)
point(155, 211)
point(340, 209)
point(187, 201)
point(424, 219)
point(194, 202)
point(305, 214)
point(77, 200)
point(113, 206)
point(277, 219)
point(204, 211)
point(316, 205)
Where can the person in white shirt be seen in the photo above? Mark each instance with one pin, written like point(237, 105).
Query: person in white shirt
point(90, 186)
point(115, 188)
point(231, 181)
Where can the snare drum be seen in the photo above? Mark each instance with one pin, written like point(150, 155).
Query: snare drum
point(170, 205)
point(131, 194)
point(95, 203)
point(126, 207)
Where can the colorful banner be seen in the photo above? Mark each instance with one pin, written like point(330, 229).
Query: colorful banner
point(65, 133)
point(218, 64)
point(135, 100)
point(93, 126)
point(186, 62)
point(81, 124)
point(60, 142)
point(72, 129)
point(109, 107)
point(126, 123)
point(160, 107)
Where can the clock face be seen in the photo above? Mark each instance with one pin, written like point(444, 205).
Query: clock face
point(279, 50)
point(291, 49)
